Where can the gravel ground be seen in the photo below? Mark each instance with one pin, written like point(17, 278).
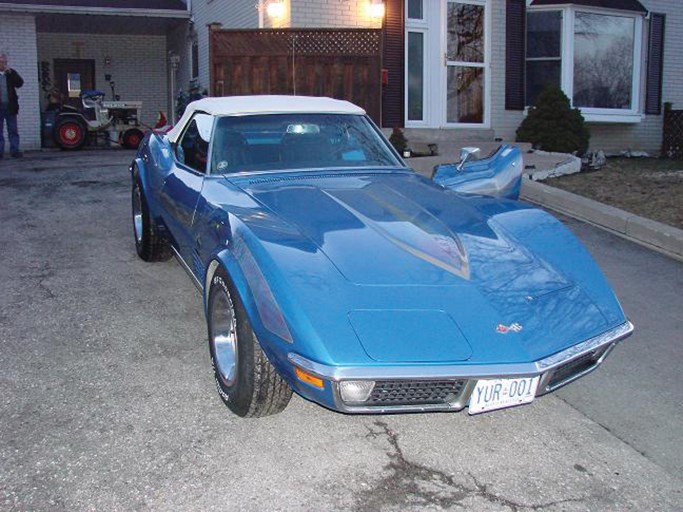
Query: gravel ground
point(649, 187)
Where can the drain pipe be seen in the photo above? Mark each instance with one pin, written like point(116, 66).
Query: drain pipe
point(174, 59)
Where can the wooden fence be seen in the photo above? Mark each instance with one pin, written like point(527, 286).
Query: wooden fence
point(672, 140)
point(339, 63)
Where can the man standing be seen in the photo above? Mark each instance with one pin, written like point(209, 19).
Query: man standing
point(10, 81)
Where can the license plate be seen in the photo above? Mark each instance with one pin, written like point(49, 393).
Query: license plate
point(491, 394)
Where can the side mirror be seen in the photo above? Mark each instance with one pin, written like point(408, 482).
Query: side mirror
point(466, 155)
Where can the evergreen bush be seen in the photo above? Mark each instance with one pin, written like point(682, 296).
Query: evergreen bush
point(398, 140)
point(552, 125)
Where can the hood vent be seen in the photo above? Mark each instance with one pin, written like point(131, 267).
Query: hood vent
point(309, 177)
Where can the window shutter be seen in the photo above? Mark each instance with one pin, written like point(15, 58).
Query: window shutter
point(515, 62)
point(393, 60)
point(655, 63)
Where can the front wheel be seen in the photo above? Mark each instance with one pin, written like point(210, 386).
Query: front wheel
point(148, 244)
point(246, 381)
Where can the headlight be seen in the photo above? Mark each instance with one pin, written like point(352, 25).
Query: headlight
point(356, 390)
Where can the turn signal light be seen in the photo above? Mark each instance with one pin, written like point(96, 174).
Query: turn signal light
point(309, 378)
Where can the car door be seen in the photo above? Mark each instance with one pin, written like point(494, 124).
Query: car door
point(183, 184)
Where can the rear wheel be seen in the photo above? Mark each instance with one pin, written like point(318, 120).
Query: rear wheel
point(70, 133)
point(246, 381)
point(131, 138)
point(148, 244)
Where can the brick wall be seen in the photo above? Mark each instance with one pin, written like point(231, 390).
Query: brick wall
point(332, 14)
point(18, 41)
point(138, 65)
point(178, 43)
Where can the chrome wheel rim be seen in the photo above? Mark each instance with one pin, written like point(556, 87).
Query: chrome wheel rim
point(224, 337)
point(137, 214)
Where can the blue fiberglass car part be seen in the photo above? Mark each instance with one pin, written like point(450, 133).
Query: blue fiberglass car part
point(498, 175)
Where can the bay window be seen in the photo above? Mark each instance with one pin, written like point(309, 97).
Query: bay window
point(593, 55)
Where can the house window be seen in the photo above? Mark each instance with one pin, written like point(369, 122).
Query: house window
point(603, 60)
point(465, 62)
point(415, 10)
point(593, 56)
point(195, 59)
point(415, 70)
point(543, 52)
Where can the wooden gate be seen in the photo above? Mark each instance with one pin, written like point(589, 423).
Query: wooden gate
point(339, 63)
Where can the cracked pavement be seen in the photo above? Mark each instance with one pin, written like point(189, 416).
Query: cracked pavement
point(107, 400)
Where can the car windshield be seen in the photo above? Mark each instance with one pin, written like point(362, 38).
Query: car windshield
point(276, 142)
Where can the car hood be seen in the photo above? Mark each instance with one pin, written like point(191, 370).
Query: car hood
point(410, 250)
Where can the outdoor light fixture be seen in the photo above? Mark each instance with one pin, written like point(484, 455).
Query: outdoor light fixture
point(276, 9)
point(376, 8)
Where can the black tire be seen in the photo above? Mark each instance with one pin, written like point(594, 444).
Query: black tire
point(70, 133)
point(148, 244)
point(132, 138)
point(250, 387)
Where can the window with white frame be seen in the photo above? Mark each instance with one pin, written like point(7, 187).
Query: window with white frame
point(465, 62)
point(416, 28)
point(593, 55)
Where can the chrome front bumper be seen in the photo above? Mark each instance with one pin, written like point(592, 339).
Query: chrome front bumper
point(555, 371)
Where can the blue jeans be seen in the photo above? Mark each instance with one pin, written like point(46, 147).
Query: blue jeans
point(11, 131)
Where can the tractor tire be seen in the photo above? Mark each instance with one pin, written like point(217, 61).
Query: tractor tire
point(131, 138)
point(70, 133)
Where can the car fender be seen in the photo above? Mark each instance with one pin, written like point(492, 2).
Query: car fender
point(144, 162)
point(275, 348)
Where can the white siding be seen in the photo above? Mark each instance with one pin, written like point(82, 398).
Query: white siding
point(504, 123)
point(232, 14)
point(139, 65)
point(18, 41)
point(612, 137)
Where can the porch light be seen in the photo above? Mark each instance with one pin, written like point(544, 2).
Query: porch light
point(276, 9)
point(376, 8)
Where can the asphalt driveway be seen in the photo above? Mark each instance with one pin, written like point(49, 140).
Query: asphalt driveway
point(107, 400)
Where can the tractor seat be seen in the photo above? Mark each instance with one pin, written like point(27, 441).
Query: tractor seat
point(93, 94)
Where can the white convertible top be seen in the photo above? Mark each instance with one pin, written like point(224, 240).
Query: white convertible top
point(253, 105)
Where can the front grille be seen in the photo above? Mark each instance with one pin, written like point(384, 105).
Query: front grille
point(575, 367)
point(415, 392)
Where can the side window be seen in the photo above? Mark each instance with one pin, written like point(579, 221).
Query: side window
point(193, 147)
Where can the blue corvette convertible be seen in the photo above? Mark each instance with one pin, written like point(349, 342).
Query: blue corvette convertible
point(331, 269)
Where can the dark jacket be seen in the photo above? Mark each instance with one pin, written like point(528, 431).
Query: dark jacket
point(14, 82)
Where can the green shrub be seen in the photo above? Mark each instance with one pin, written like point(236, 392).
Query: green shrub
point(552, 125)
point(398, 140)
